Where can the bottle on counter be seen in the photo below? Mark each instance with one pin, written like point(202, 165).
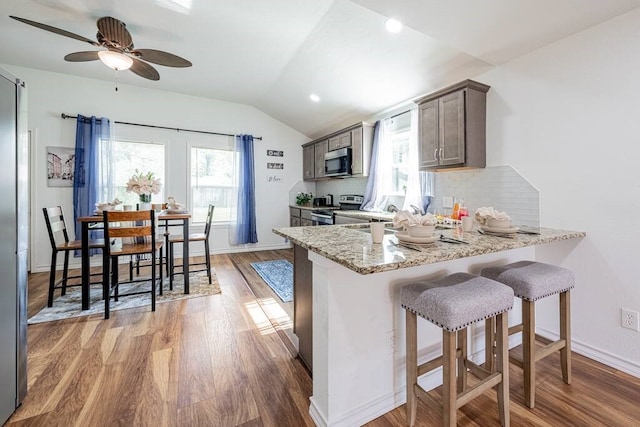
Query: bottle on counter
point(455, 213)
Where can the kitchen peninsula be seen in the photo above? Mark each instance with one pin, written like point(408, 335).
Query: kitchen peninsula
point(357, 322)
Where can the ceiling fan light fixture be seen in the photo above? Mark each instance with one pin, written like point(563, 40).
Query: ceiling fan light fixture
point(115, 60)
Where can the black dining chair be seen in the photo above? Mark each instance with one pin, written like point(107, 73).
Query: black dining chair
point(59, 238)
point(195, 237)
point(138, 233)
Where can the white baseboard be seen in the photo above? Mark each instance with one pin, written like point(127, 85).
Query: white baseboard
point(362, 414)
point(316, 414)
point(628, 366)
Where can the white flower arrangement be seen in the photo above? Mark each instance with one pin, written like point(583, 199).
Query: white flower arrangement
point(144, 185)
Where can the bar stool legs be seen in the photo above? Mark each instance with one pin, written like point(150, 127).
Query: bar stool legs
point(502, 362)
point(565, 335)
point(412, 366)
point(532, 281)
point(455, 392)
point(454, 303)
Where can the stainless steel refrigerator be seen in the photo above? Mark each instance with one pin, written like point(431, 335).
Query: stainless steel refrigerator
point(14, 230)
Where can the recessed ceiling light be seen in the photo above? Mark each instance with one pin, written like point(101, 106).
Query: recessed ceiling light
point(314, 97)
point(393, 26)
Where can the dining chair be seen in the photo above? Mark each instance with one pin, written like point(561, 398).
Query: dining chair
point(59, 238)
point(137, 231)
point(137, 262)
point(195, 237)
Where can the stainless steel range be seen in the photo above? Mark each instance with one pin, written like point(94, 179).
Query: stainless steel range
point(350, 202)
point(326, 216)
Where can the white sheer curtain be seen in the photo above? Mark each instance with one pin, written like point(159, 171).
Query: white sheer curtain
point(379, 184)
point(413, 195)
point(106, 172)
point(419, 185)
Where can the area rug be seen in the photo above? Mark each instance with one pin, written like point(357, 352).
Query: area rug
point(65, 307)
point(278, 275)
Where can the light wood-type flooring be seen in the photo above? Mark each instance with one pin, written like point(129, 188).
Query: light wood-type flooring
point(218, 361)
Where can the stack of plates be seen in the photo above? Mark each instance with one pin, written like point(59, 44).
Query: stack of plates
point(403, 236)
point(501, 231)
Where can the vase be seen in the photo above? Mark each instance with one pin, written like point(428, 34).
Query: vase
point(145, 202)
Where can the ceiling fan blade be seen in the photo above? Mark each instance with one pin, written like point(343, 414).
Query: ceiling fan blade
point(161, 58)
point(145, 70)
point(115, 31)
point(82, 56)
point(55, 30)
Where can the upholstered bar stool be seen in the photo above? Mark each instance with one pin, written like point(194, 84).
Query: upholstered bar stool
point(530, 282)
point(453, 303)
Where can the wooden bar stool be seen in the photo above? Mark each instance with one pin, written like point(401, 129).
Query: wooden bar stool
point(453, 303)
point(530, 282)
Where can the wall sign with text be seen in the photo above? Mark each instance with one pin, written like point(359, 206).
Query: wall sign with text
point(273, 167)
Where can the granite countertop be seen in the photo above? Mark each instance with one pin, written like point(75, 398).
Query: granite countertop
point(351, 246)
point(316, 208)
point(378, 216)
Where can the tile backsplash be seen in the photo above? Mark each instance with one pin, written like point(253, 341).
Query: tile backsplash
point(501, 187)
point(338, 187)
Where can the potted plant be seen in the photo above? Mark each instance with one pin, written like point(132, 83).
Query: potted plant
point(303, 199)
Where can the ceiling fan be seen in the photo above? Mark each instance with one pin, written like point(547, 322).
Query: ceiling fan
point(120, 54)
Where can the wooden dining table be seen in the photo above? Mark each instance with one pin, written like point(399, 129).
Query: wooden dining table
point(165, 219)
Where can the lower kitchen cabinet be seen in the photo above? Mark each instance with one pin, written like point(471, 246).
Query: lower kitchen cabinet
point(302, 304)
point(299, 217)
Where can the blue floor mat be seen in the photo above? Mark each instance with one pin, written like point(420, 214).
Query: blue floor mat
point(278, 275)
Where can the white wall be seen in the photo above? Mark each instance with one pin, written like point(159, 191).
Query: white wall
point(50, 94)
point(567, 118)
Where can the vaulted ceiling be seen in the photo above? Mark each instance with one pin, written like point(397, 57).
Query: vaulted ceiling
point(272, 54)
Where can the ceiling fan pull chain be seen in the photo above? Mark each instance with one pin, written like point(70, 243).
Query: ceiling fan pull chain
point(116, 79)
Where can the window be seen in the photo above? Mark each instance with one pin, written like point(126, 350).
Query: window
point(121, 159)
point(400, 163)
point(212, 182)
point(398, 129)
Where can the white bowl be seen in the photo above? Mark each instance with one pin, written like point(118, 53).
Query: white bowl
point(421, 230)
point(498, 223)
point(103, 207)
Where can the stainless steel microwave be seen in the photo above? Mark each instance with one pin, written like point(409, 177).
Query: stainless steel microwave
point(338, 162)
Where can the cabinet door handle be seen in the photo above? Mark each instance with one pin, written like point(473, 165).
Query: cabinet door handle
point(435, 154)
point(441, 153)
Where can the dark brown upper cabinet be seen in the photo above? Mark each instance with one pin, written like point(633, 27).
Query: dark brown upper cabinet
point(452, 127)
point(358, 137)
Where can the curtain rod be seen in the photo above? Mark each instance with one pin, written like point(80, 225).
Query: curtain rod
point(399, 114)
point(67, 116)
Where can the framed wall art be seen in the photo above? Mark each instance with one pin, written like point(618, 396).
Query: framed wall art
point(60, 166)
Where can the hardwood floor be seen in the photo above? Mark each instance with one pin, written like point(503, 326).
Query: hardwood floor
point(218, 361)
point(279, 313)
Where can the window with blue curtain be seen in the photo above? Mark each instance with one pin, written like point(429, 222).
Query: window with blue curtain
point(90, 131)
